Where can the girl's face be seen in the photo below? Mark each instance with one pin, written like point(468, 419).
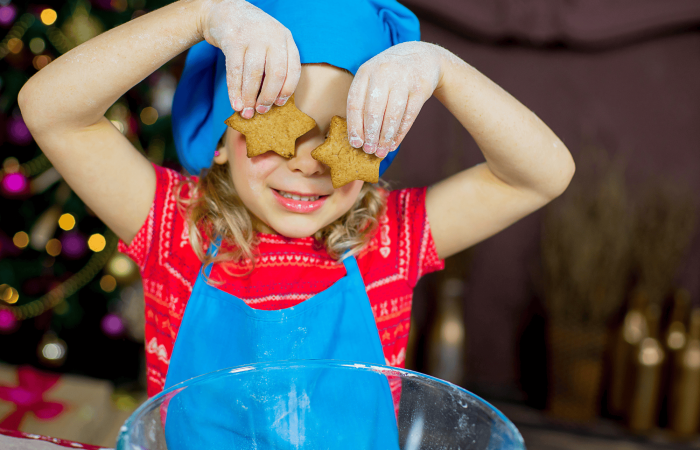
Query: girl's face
point(266, 182)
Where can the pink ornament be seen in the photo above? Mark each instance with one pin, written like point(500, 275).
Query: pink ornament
point(112, 325)
point(73, 245)
point(14, 183)
point(18, 131)
point(7, 14)
point(7, 320)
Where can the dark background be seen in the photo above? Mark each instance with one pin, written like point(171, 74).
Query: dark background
point(620, 75)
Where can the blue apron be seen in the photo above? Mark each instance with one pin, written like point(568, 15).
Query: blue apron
point(313, 409)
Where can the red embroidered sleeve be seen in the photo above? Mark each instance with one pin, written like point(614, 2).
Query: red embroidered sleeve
point(415, 242)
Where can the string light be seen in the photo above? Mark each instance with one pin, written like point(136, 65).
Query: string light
point(16, 32)
point(21, 239)
point(48, 16)
point(97, 242)
point(66, 289)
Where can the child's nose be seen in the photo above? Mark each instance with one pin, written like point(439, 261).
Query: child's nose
point(304, 163)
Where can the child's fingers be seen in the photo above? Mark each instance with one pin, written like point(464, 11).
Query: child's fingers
point(293, 73)
point(275, 73)
point(375, 106)
point(253, 69)
point(395, 108)
point(356, 108)
point(234, 75)
point(413, 107)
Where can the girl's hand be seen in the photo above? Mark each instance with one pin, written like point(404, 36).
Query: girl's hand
point(258, 49)
point(388, 92)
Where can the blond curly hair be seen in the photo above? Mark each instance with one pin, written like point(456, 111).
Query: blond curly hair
point(213, 208)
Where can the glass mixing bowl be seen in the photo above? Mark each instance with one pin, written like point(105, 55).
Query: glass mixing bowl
point(317, 404)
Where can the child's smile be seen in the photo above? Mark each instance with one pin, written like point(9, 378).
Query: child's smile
point(295, 197)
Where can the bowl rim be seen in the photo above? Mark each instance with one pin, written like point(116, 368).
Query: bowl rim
point(344, 364)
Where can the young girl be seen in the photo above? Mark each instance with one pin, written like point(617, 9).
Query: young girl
point(275, 228)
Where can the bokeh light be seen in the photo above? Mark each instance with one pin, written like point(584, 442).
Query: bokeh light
point(14, 183)
point(7, 14)
point(97, 242)
point(37, 45)
point(119, 125)
point(15, 45)
point(66, 222)
point(18, 131)
point(21, 239)
point(10, 165)
point(149, 115)
point(48, 16)
point(120, 266)
point(41, 61)
point(118, 5)
point(108, 283)
point(74, 245)
point(52, 350)
point(7, 320)
point(53, 247)
point(8, 294)
point(112, 325)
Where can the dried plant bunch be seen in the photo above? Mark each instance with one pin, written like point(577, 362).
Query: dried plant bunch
point(586, 243)
point(665, 223)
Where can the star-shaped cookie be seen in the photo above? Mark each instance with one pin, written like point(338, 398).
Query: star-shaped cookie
point(276, 130)
point(347, 163)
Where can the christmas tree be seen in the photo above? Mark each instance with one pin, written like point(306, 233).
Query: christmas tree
point(68, 300)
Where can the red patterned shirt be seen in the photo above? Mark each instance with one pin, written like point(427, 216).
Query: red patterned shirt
point(287, 271)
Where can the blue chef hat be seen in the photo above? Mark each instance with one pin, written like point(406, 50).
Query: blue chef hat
point(343, 33)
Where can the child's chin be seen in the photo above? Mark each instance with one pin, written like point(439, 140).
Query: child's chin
point(296, 231)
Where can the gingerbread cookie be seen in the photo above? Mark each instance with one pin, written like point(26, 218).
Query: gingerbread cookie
point(347, 163)
point(276, 130)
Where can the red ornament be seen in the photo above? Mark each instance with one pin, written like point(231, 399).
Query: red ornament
point(28, 396)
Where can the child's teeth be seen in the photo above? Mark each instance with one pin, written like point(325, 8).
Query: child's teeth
point(298, 197)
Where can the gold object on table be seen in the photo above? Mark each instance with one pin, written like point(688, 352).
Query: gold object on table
point(643, 407)
point(684, 401)
point(626, 340)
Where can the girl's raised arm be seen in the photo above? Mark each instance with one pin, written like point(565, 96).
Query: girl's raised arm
point(64, 104)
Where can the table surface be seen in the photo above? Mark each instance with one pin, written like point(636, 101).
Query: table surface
point(16, 440)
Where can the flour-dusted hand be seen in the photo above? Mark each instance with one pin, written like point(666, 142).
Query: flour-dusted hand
point(388, 92)
point(258, 49)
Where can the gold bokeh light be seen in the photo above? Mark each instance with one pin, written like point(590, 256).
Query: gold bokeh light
point(108, 283)
point(48, 16)
point(53, 247)
point(97, 242)
point(66, 222)
point(21, 239)
point(149, 115)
